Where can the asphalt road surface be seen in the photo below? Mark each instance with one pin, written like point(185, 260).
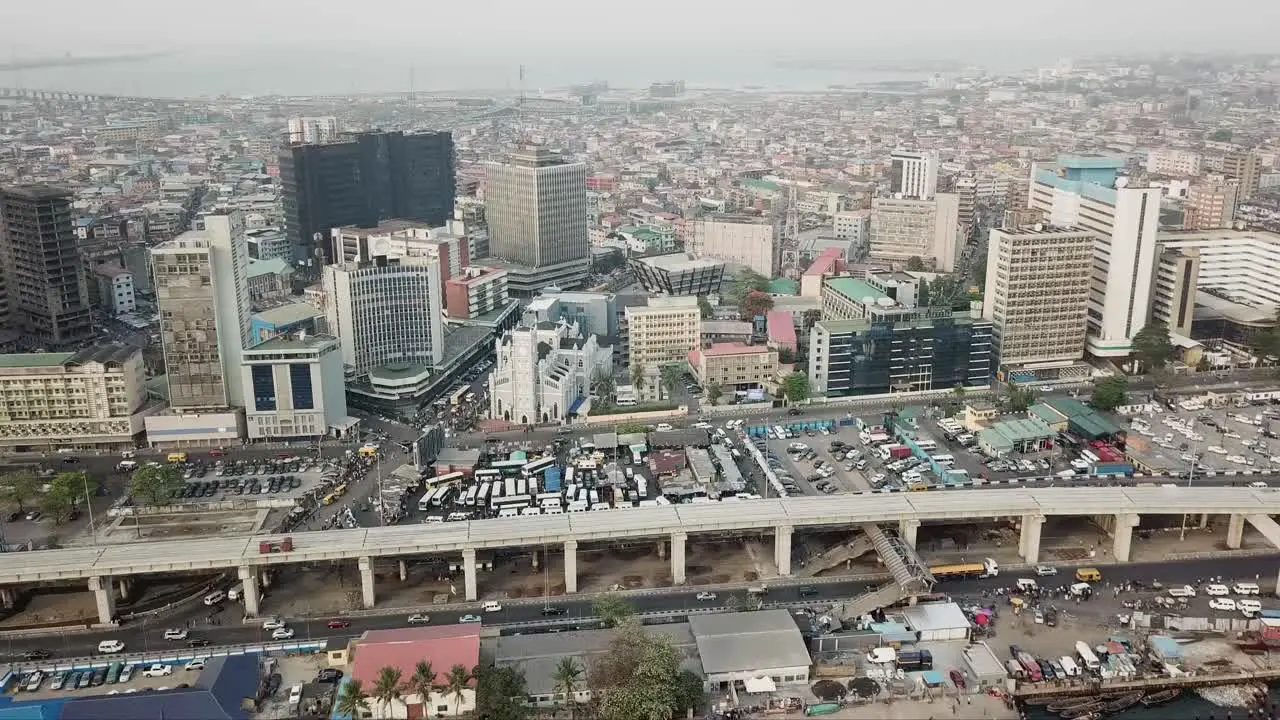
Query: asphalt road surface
point(149, 637)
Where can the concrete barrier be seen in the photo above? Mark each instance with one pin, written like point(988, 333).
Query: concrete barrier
point(618, 418)
point(224, 505)
point(37, 632)
point(173, 658)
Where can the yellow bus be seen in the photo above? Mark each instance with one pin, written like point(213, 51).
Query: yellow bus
point(368, 451)
point(177, 457)
point(340, 490)
point(329, 499)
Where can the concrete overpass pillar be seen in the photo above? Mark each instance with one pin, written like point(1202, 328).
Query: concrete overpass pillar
point(907, 531)
point(782, 549)
point(1204, 520)
point(249, 579)
point(662, 550)
point(1029, 544)
point(469, 574)
point(1235, 531)
point(404, 571)
point(677, 558)
point(104, 592)
point(571, 566)
point(366, 582)
point(8, 598)
point(534, 556)
point(1123, 540)
point(266, 578)
point(124, 586)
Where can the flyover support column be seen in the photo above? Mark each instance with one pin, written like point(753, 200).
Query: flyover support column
point(1235, 532)
point(404, 571)
point(1204, 520)
point(677, 558)
point(1029, 545)
point(1123, 540)
point(570, 566)
point(125, 586)
point(469, 575)
point(907, 531)
point(104, 592)
point(249, 579)
point(782, 549)
point(366, 582)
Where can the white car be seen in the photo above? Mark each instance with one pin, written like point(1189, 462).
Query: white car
point(175, 634)
point(283, 633)
point(663, 427)
point(1217, 590)
point(704, 596)
point(195, 664)
point(1219, 603)
point(1186, 591)
point(157, 670)
point(1043, 570)
point(702, 425)
point(419, 619)
point(274, 623)
point(491, 606)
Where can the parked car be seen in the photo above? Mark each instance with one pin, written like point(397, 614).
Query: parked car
point(419, 619)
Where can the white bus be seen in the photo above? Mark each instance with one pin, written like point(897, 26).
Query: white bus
point(568, 476)
point(446, 494)
point(502, 503)
point(482, 499)
point(487, 475)
point(522, 486)
point(927, 445)
point(445, 480)
point(509, 489)
point(944, 460)
point(470, 498)
point(1089, 456)
point(537, 467)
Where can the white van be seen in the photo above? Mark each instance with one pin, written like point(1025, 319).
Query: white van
point(1249, 608)
point(1246, 588)
point(491, 606)
point(215, 597)
point(107, 647)
point(1027, 584)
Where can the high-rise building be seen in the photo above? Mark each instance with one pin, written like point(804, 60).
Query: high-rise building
point(928, 229)
point(1087, 192)
point(536, 209)
point(48, 297)
point(202, 293)
point(913, 174)
point(296, 389)
point(1218, 284)
point(1037, 293)
point(475, 293)
point(386, 312)
point(746, 240)
point(313, 130)
point(966, 191)
point(1245, 166)
point(1211, 205)
point(363, 180)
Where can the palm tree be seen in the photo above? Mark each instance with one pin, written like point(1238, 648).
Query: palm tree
point(457, 684)
point(567, 676)
point(422, 683)
point(353, 699)
point(637, 375)
point(387, 687)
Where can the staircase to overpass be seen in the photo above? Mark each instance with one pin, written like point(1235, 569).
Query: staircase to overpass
point(840, 554)
point(910, 575)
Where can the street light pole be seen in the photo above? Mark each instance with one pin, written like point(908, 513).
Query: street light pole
point(88, 501)
point(1195, 460)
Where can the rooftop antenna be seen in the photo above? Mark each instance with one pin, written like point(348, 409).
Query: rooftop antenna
point(413, 99)
point(521, 139)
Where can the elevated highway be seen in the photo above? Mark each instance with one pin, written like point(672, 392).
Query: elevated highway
point(778, 517)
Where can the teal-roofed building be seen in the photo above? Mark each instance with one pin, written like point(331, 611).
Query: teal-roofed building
point(1020, 435)
point(784, 286)
point(1080, 418)
point(848, 298)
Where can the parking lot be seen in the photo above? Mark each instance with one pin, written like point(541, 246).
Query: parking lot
point(1225, 439)
point(284, 477)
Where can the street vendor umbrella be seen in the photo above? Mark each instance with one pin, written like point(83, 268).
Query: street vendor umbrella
point(864, 687)
point(828, 690)
point(982, 619)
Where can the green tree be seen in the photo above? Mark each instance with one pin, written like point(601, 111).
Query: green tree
point(748, 281)
point(689, 692)
point(603, 385)
point(157, 484)
point(1203, 365)
point(1220, 136)
point(20, 487)
point(1110, 393)
point(671, 376)
point(796, 387)
point(1021, 398)
point(704, 307)
point(755, 304)
point(637, 376)
point(353, 700)
point(386, 688)
point(65, 492)
point(922, 294)
point(568, 679)
point(1152, 347)
point(636, 677)
point(500, 693)
point(422, 682)
point(714, 393)
point(612, 610)
point(915, 264)
point(456, 684)
point(786, 356)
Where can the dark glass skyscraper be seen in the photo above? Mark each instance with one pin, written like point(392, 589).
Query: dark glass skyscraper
point(362, 180)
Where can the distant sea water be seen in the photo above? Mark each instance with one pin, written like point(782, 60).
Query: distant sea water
point(207, 76)
point(1188, 706)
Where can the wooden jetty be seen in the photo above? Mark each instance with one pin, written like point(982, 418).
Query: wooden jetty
point(1046, 691)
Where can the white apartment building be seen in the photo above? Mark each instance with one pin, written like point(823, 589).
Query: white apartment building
point(1085, 192)
point(451, 245)
point(913, 174)
point(904, 228)
point(852, 225)
point(665, 331)
point(543, 374)
point(89, 398)
point(115, 287)
point(313, 130)
point(1037, 293)
point(296, 388)
point(386, 312)
point(1239, 266)
point(739, 239)
point(1168, 161)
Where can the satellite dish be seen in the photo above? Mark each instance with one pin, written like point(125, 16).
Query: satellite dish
point(1122, 182)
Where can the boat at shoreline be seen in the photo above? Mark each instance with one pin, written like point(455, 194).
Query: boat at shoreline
point(1081, 711)
point(1161, 697)
point(1123, 703)
point(1071, 703)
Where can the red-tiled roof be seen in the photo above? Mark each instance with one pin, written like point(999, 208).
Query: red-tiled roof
point(782, 328)
point(443, 646)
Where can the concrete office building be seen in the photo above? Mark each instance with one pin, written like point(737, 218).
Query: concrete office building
point(1245, 166)
point(115, 289)
point(477, 292)
point(1211, 205)
point(739, 239)
point(1086, 192)
point(936, 350)
point(665, 331)
point(451, 244)
point(1173, 298)
point(48, 298)
point(1173, 162)
point(734, 366)
point(90, 398)
point(296, 388)
point(311, 130)
point(594, 313)
point(913, 174)
point(386, 313)
point(1037, 293)
point(362, 180)
point(852, 225)
point(1230, 277)
point(536, 207)
point(678, 274)
point(928, 229)
point(544, 373)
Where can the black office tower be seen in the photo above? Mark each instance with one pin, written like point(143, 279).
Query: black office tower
point(362, 180)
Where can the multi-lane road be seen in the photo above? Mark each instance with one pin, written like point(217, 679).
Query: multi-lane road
point(527, 616)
